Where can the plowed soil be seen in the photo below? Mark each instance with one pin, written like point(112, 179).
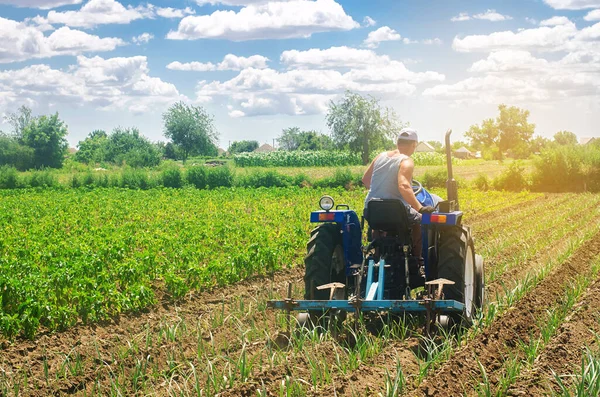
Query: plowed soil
point(180, 348)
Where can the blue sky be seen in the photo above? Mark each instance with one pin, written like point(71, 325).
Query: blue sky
point(260, 65)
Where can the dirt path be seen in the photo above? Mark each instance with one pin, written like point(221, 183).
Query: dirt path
point(455, 377)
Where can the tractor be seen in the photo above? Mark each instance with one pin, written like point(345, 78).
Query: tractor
point(343, 274)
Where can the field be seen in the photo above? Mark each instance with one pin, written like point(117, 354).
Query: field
point(120, 292)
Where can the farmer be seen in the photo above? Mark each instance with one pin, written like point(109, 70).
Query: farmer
point(390, 177)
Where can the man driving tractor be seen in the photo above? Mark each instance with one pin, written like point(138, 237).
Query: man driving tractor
point(390, 175)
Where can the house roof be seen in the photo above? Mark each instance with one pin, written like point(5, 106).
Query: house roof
point(585, 141)
point(463, 150)
point(265, 148)
point(424, 146)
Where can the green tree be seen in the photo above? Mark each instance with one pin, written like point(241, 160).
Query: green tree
point(128, 146)
point(243, 146)
point(361, 124)
point(437, 145)
point(295, 139)
point(565, 138)
point(485, 136)
point(171, 151)
point(46, 136)
point(191, 128)
point(19, 120)
point(13, 153)
point(93, 148)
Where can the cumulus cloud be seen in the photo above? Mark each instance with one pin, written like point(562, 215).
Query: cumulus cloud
point(174, 12)
point(230, 62)
point(233, 2)
point(19, 42)
point(368, 21)
point(593, 15)
point(555, 21)
point(115, 83)
point(435, 41)
point(489, 15)
point(273, 20)
point(143, 38)
point(41, 4)
point(314, 77)
point(573, 4)
point(384, 33)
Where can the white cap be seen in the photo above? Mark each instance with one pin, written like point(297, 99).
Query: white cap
point(408, 134)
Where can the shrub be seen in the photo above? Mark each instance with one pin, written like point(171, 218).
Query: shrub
point(219, 177)
point(171, 177)
point(341, 178)
point(482, 182)
point(433, 179)
point(196, 176)
point(133, 179)
point(9, 178)
point(512, 179)
point(264, 179)
point(567, 169)
point(42, 178)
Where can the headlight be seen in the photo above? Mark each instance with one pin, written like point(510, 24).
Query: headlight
point(326, 203)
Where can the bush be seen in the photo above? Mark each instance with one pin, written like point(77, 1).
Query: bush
point(482, 182)
point(13, 153)
point(133, 179)
point(297, 159)
point(172, 178)
point(264, 179)
point(342, 178)
point(42, 178)
point(9, 178)
point(219, 177)
point(567, 169)
point(196, 176)
point(512, 179)
point(433, 179)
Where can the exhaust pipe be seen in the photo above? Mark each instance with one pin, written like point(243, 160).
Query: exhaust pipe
point(451, 185)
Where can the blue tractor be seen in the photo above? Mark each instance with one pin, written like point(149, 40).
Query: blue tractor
point(344, 275)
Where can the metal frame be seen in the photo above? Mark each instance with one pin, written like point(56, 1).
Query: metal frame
point(394, 306)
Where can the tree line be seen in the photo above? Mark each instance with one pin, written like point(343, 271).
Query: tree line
point(357, 123)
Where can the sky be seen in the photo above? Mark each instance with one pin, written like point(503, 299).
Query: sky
point(263, 65)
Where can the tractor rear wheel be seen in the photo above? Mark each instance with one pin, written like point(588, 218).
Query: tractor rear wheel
point(457, 262)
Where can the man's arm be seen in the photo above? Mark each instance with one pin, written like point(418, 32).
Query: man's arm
point(405, 173)
point(366, 179)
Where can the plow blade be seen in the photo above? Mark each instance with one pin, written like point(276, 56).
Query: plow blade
point(394, 306)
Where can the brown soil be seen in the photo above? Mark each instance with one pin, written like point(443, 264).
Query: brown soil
point(456, 376)
point(563, 354)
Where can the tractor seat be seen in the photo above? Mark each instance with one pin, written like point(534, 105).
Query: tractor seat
point(389, 216)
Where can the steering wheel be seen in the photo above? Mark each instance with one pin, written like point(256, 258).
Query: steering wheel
point(416, 187)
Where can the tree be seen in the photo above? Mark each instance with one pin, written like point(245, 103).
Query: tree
point(436, 145)
point(565, 138)
point(361, 124)
point(509, 131)
point(191, 128)
point(295, 139)
point(13, 153)
point(46, 136)
point(171, 151)
point(19, 120)
point(93, 148)
point(243, 146)
point(128, 146)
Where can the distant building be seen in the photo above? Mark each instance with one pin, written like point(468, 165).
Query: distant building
point(266, 148)
point(463, 153)
point(585, 141)
point(72, 150)
point(424, 147)
point(221, 152)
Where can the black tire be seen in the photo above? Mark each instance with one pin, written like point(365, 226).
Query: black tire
point(479, 282)
point(455, 253)
point(324, 260)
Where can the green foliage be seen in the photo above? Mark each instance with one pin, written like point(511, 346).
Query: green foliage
point(434, 179)
point(13, 153)
point(132, 178)
point(171, 177)
point(41, 178)
point(93, 148)
point(342, 177)
point(219, 177)
point(196, 176)
point(296, 159)
point(171, 151)
point(512, 179)
point(361, 124)
point(568, 169)
point(268, 178)
point(128, 146)
point(295, 139)
point(243, 146)
point(46, 136)
point(565, 138)
point(424, 159)
point(482, 182)
point(192, 129)
point(19, 120)
point(9, 177)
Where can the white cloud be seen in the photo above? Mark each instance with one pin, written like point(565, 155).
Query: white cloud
point(435, 41)
point(233, 2)
point(19, 42)
point(174, 12)
point(313, 78)
point(230, 62)
point(556, 21)
point(593, 15)
point(143, 38)
point(489, 15)
point(42, 4)
point(406, 40)
point(532, 21)
point(384, 33)
point(99, 12)
point(274, 20)
point(572, 4)
point(368, 21)
point(115, 83)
